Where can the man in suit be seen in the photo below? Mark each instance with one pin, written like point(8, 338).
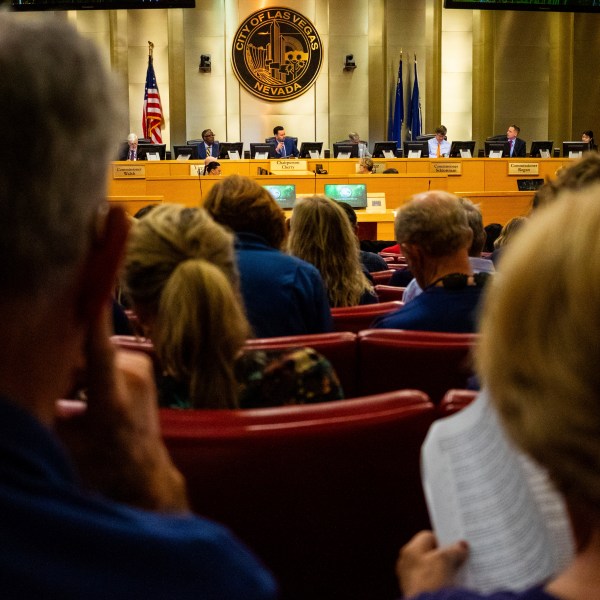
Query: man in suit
point(209, 146)
point(439, 146)
point(516, 145)
point(128, 151)
point(91, 505)
point(284, 147)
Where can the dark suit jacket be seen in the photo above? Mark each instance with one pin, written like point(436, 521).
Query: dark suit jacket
point(519, 149)
point(290, 148)
point(214, 151)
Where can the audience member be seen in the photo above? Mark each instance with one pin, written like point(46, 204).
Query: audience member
point(588, 137)
point(283, 295)
point(478, 264)
point(181, 277)
point(508, 231)
point(66, 532)
point(517, 146)
point(371, 262)
point(439, 146)
point(492, 231)
point(530, 366)
point(579, 174)
point(321, 234)
point(285, 147)
point(209, 146)
point(363, 148)
point(213, 168)
point(434, 234)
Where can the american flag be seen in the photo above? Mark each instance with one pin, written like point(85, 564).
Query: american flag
point(153, 115)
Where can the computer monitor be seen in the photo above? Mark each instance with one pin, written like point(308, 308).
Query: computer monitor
point(529, 185)
point(307, 147)
point(459, 148)
point(188, 152)
point(380, 147)
point(150, 151)
point(255, 147)
point(412, 146)
point(497, 146)
point(575, 149)
point(226, 147)
point(541, 146)
point(284, 195)
point(354, 194)
point(345, 148)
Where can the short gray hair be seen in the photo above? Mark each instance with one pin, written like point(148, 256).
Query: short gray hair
point(435, 221)
point(60, 123)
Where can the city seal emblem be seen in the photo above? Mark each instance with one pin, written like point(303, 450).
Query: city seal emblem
point(277, 54)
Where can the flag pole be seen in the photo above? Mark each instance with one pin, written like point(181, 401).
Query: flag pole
point(150, 49)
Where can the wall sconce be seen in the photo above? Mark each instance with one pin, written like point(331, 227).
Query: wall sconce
point(205, 66)
point(349, 64)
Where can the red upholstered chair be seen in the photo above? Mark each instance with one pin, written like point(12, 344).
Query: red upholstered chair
point(455, 400)
point(387, 293)
point(382, 277)
point(392, 359)
point(325, 494)
point(340, 348)
point(355, 318)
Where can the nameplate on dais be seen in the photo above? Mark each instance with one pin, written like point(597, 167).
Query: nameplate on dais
point(288, 165)
point(132, 171)
point(449, 168)
point(523, 168)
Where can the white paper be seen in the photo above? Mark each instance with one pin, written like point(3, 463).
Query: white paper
point(481, 489)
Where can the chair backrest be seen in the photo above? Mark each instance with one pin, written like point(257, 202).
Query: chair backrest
point(426, 136)
point(496, 138)
point(324, 494)
point(433, 362)
point(387, 293)
point(340, 348)
point(455, 400)
point(271, 140)
point(382, 277)
point(355, 318)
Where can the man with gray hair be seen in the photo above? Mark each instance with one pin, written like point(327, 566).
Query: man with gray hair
point(69, 470)
point(363, 148)
point(434, 235)
point(478, 264)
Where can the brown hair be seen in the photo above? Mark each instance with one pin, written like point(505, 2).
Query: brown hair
point(321, 234)
point(246, 207)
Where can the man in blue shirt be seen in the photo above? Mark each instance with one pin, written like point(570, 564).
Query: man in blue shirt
point(101, 511)
point(434, 235)
point(439, 146)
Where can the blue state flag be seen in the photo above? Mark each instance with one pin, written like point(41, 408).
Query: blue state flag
point(397, 117)
point(414, 110)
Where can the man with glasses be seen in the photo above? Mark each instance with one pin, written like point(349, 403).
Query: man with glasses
point(209, 146)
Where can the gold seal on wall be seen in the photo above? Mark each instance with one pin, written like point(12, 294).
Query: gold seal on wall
point(277, 54)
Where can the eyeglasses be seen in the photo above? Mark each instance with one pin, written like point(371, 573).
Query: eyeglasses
point(209, 135)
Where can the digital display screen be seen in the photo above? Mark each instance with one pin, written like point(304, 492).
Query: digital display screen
point(284, 195)
point(549, 5)
point(354, 194)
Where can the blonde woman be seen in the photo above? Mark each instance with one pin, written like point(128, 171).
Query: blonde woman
point(181, 278)
point(321, 234)
point(365, 166)
point(541, 372)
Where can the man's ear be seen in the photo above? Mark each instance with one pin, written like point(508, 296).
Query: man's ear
point(99, 271)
